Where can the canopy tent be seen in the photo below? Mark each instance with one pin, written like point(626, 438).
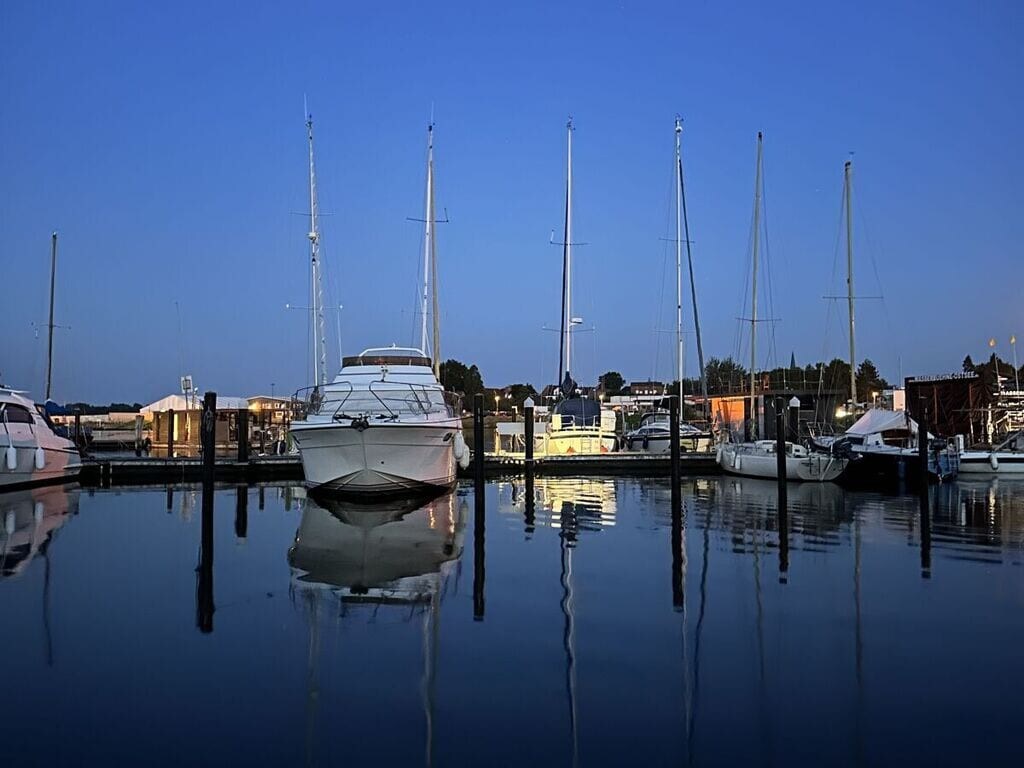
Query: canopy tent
point(182, 403)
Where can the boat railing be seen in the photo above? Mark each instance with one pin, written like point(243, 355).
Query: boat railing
point(318, 400)
point(399, 400)
point(382, 399)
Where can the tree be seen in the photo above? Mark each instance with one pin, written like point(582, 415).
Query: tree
point(724, 375)
point(520, 392)
point(456, 377)
point(868, 381)
point(969, 366)
point(611, 382)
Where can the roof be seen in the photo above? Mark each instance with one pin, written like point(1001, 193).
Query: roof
point(181, 403)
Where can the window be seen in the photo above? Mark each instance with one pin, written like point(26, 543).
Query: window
point(15, 414)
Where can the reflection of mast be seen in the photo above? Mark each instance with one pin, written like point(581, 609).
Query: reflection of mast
point(697, 633)
point(312, 674)
point(569, 634)
point(858, 642)
point(431, 622)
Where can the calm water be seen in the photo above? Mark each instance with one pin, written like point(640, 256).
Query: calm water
point(587, 630)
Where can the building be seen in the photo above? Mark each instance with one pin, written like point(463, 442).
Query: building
point(187, 417)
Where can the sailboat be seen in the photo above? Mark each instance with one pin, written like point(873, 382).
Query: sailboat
point(758, 458)
point(578, 425)
point(32, 451)
point(882, 443)
point(384, 424)
point(653, 433)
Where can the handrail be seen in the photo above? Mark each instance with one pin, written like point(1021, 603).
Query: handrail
point(392, 397)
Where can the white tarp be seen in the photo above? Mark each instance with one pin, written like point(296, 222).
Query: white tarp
point(879, 420)
point(181, 403)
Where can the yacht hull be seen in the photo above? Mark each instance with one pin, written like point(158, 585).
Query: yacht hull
point(380, 459)
point(662, 444)
point(813, 468)
point(579, 441)
point(60, 465)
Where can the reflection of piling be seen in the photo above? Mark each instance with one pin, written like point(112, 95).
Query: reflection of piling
point(204, 583)
point(170, 499)
point(242, 512)
point(262, 499)
point(926, 533)
point(243, 435)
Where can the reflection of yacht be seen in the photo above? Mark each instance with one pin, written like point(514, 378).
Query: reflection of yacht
point(398, 552)
point(590, 502)
point(30, 517)
point(32, 453)
point(652, 436)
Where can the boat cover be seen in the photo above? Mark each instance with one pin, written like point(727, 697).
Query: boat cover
point(879, 420)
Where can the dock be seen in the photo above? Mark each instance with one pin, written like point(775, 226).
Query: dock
point(132, 470)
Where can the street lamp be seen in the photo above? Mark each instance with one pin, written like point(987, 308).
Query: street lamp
point(1016, 375)
point(496, 396)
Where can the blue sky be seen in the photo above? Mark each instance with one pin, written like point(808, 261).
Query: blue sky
point(167, 146)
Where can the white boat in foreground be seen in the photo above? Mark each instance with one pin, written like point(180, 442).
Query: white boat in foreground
point(385, 424)
point(33, 454)
point(759, 459)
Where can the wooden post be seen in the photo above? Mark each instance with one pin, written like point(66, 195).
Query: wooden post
point(79, 442)
point(243, 435)
point(263, 432)
point(170, 433)
point(208, 435)
point(479, 571)
point(922, 445)
point(673, 440)
point(528, 436)
point(478, 440)
point(780, 443)
point(138, 435)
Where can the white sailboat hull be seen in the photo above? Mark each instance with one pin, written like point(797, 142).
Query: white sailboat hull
point(817, 467)
point(381, 458)
point(992, 463)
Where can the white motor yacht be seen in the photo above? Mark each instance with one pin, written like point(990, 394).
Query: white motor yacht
point(385, 424)
point(33, 454)
point(652, 436)
point(759, 459)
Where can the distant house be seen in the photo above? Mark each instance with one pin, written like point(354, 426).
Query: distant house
point(646, 388)
point(187, 418)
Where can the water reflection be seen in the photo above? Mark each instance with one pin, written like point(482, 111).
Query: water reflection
point(31, 518)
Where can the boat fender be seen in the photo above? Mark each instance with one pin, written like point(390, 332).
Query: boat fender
point(647, 442)
point(12, 458)
point(37, 511)
point(993, 461)
point(40, 457)
point(737, 463)
point(9, 522)
point(460, 450)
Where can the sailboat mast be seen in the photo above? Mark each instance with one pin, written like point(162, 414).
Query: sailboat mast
point(848, 190)
point(319, 350)
point(49, 344)
point(679, 259)
point(433, 278)
point(564, 360)
point(693, 285)
point(753, 291)
point(428, 232)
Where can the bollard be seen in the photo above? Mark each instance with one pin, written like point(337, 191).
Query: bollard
point(242, 511)
point(208, 435)
point(243, 435)
point(138, 435)
point(170, 433)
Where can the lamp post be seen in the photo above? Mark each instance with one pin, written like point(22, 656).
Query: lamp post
point(496, 396)
point(1016, 374)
